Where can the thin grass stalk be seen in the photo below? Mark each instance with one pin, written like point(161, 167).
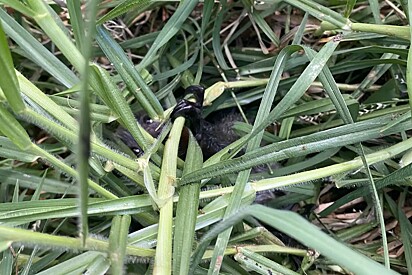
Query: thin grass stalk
point(260, 21)
point(409, 64)
point(163, 259)
point(251, 259)
point(83, 146)
point(12, 234)
point(374, 6)
point(396, 31)
point(77, 262)
point(406, 229)
point(378, 208)
point(67, 208)
point(217, 49)
point(124, 7)
point(77, 23)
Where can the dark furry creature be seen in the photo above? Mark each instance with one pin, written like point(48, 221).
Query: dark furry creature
point(212, 136)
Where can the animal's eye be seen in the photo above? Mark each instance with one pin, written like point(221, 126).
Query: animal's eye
point(137, 151)
point(147, 120)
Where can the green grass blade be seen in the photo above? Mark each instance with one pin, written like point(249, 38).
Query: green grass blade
point(409, 64)
point(260, 21)
point(321, 12)
point(77, 23)
point(6, 263)
point(350, 4)
point(297, 227)
point(37, 52)
point(124, 7)
point(169, 30)
point(83, 145)
point(8, 81)
point(13, 130)
point(113, 98)
point(26, 236)
point(18, 6)
point(117, 242)
point(80, 261)
point(260, 263)
point(46, 21)
point(406, 233)
point(163, 259)
point(374, 5)
point(132, 78)
point(186, 212)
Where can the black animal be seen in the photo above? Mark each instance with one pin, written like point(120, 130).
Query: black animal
point(212, 136)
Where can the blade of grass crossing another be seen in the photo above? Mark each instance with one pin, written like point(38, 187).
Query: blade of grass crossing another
point(131, 77)
point(169, 30)
point(303, 231)
point(113, 98)
point(304, 81)
point(297, 90)
point(48, 24)
point(18, 6)
point(11, 128)
point(320, 12)
point(186, 212)
point(37, 52)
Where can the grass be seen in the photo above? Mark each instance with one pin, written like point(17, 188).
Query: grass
point(324, 85)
